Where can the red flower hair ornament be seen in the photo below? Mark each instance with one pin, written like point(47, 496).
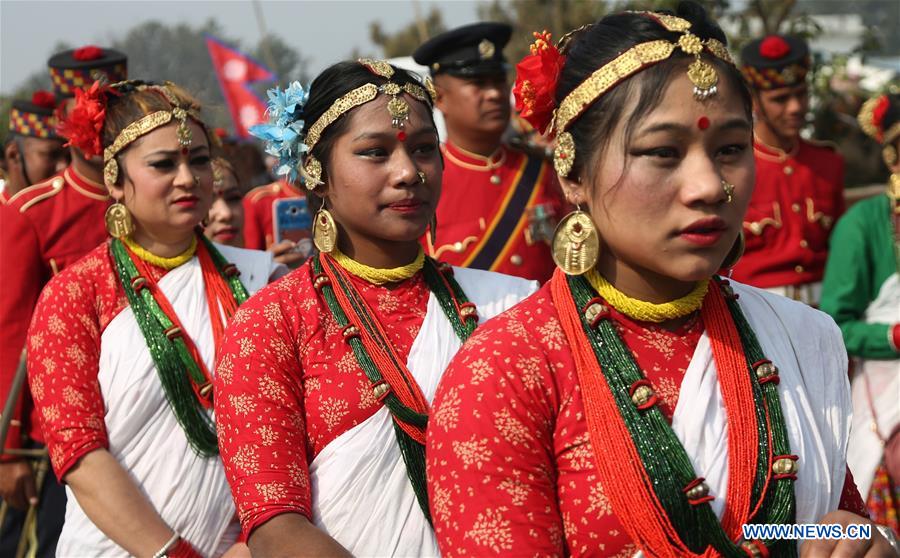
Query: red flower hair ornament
point(878, 113)
point(84, 124)
point(536, 77)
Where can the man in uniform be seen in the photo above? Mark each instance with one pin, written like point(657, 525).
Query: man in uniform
point(33, 151)
point(799, 183)
point(498, 206)
point(45, 228)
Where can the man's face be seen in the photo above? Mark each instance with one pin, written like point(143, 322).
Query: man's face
point(33, 160)
point(475, 104)
point(44, 158)
point(783, 109)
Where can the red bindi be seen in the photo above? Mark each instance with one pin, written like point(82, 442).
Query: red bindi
point(184, 150)
point(401, 135)
point(703, 123)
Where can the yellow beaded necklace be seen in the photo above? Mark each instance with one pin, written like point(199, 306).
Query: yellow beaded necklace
point(379, 276)
point(648, 311)
point(159, 261)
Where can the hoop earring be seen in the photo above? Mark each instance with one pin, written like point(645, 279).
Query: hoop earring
point(118, 221)
point(576, 244)
point(734, 255)
point(324, 232)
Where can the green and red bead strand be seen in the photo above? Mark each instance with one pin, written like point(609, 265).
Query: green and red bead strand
point(682, 494)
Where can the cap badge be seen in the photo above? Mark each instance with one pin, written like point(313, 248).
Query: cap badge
point(486, 49)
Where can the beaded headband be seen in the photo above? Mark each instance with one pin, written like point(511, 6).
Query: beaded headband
point(146, 125)
point(397, 107)
point(533, 103)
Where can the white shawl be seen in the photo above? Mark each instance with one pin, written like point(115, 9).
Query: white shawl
point(361, 495)
point(189, 492)
point(881, 379)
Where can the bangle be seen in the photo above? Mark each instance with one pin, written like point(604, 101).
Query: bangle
point(888, 534)
point(161, 553)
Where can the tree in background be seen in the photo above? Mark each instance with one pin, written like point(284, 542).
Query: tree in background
point(177, 53)
point(407, 39)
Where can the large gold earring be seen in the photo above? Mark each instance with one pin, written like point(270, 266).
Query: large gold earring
point(576, 244)
point(737, 250)
point(118, 221)
point(324, 232)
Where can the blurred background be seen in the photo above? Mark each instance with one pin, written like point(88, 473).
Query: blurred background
point(856, 44)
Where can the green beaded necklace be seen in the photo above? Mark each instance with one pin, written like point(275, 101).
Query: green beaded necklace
point(458, 310)
point(662, 455)
point(179, 371)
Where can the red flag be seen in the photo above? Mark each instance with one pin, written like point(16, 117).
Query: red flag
point(236, 71)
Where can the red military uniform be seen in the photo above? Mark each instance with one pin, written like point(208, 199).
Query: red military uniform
point(259, 232)
point(497, 213)
point(45, 228)
point(798, 198)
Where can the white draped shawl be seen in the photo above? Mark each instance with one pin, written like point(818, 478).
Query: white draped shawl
point(881, 380)
point(807, 347)
point(361, 495)
point(189, 492)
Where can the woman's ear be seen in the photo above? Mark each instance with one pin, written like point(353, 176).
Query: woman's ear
point(574, 190)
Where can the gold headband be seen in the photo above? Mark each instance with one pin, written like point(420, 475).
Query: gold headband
point(866, 120)
point(639, 57)
point(146, 125)
point(397, 107)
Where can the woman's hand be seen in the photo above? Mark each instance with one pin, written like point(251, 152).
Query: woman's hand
point(17, 484)
point(285, 253)
point(875, 547)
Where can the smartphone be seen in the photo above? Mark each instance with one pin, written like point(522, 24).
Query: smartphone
point(293, 221)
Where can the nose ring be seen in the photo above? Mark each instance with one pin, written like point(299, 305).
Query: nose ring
point(423, 178)
point(196, 180)
point(729, 190)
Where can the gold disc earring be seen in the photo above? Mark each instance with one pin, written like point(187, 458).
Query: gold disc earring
point(118, 221)
point(737, 250)
point(324, 232)
point(576, 244)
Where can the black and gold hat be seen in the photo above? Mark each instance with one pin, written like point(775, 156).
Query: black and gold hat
point(35, 118)
point(471, 50)
point(775, 61)
point(78, 68)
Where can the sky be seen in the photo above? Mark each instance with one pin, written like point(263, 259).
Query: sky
point(323, 31)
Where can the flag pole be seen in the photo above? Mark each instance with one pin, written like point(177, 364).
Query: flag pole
point(266, 50)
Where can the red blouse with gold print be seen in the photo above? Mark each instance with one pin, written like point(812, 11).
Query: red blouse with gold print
point(288, 384)
point(515, 474)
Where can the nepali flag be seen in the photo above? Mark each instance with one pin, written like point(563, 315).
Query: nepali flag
point(236, 72)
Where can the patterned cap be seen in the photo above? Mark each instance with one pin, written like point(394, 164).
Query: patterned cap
point(75, 69)
point(35, 118)
point(775, 61)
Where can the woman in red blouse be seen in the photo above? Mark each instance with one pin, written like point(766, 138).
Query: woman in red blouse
point(637, 403)
point(122, 342)
point(324, 384)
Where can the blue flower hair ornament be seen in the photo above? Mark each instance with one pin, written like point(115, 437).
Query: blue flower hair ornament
point(283, 133)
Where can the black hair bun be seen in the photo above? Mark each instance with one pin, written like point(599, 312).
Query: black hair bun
point(701, 24)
